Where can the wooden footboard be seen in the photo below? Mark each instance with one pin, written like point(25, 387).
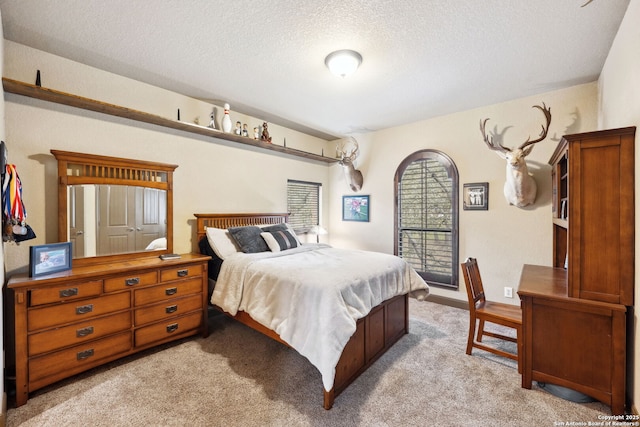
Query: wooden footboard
point(375, 334)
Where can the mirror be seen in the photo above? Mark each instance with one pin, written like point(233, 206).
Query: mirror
point(113, 208)
point(115, 219)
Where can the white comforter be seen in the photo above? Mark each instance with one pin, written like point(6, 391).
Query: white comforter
point(313, 295)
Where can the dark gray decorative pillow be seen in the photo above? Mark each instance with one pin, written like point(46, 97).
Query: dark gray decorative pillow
point(280, 240)
point(248, 239)
point(276, 227)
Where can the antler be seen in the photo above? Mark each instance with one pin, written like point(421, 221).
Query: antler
point(352, 155)
point(543, 134)
point(489, 140)
point(354, 152)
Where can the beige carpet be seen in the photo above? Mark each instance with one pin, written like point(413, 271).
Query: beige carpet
point(237, 377)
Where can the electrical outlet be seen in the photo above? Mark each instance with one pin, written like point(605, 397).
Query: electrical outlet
point(508, 292)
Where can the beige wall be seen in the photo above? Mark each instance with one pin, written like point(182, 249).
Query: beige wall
point(619, 106)
point(213, 175)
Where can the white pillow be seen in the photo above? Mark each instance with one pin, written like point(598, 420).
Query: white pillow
point(157, 244)
point(221, 242)
point(280, 240)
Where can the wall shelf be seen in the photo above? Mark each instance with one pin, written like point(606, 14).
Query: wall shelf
point(51, 95)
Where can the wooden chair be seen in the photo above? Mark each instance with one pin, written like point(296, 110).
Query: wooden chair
point(487, 311)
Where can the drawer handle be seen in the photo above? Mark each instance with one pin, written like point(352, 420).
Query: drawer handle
point(183, 273)
point(85, 354)
point(65, 293)
point(84, 332)
point(171, 309)
point(132, 281)
point(171, 291)
point(172, 328)
point(84, 309)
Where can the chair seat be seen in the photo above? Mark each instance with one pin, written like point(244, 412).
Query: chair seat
point(497, 310)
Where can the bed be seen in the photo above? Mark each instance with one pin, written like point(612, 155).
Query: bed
point(357, 316)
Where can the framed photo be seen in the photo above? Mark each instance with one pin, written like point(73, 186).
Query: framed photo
point(47, 259)
point(475, 196)
point(355, 208)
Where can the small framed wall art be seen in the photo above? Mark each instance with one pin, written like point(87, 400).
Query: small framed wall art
point(48, 259)
point(475, 196)
point(355, 208)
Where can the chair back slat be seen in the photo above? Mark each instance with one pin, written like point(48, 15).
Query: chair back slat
point(473, 281)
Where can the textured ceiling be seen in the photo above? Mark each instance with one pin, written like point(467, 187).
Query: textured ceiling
point(421, 58)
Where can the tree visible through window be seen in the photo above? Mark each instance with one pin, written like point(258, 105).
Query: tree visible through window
point(303, 204)
point(426, 185)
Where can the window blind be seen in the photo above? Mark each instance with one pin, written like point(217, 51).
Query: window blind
point(303, 204)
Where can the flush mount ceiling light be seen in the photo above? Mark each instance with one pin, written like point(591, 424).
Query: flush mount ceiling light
point(343, 62)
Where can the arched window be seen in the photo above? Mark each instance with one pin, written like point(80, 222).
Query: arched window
point(426, 216)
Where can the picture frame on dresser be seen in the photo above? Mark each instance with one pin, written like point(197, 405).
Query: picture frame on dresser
point(49, 259)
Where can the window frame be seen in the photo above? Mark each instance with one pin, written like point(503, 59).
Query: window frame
point(452, 172)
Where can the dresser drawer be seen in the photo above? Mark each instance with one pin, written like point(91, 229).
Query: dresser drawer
point(167, 291)
point(181, 272)
point(76, 311)
point(164, 330)
point(175, 307)
point(65, 293)
point(74, 359)
point(80, 332)
point(130, 280)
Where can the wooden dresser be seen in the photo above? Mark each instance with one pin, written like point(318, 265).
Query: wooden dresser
point(575, 319)
point(72, 321)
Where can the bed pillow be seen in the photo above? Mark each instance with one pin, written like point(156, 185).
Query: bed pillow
point(273, 227)
point(281, 227)
point(279, 240)
point(248, 239)
point(157, 244)
point(221, 242)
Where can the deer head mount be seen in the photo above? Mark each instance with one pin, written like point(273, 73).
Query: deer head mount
point(519, 188)
point(351, 174)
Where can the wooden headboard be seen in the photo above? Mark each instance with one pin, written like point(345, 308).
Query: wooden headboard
point(236, 220)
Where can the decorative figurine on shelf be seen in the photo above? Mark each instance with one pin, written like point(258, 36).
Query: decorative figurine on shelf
point(245, 132)
point(256, 132)
point(212, 123)
point(226, 119)
point(196, 120)
point(265, 133)
point(238, 130)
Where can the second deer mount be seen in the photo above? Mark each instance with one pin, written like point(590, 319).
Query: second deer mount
point(520, 188)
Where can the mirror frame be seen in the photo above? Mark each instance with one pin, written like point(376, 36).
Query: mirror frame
point(94, 169)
